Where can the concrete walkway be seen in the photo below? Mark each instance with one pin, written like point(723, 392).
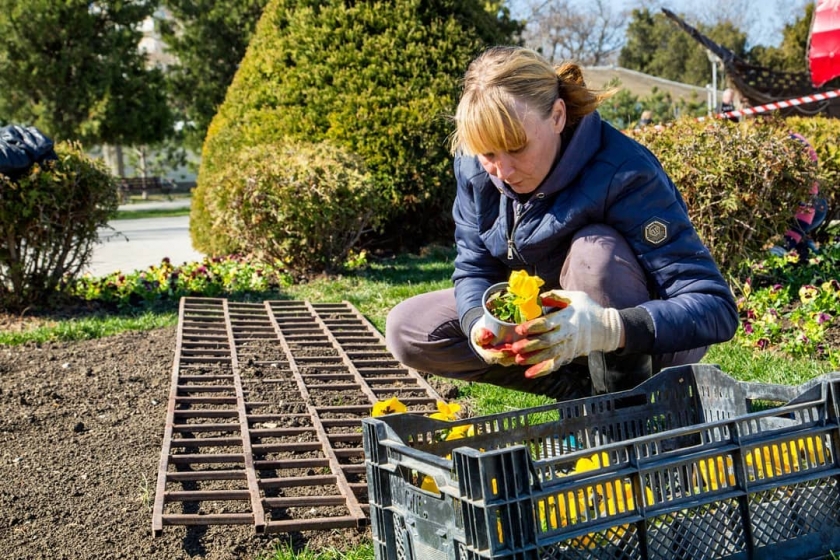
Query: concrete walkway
point(131, 245)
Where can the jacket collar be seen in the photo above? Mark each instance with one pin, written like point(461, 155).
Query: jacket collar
point(584, 144)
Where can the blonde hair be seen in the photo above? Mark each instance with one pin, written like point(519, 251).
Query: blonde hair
point(486, 120)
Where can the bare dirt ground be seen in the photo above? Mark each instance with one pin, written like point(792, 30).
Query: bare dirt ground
point(81, 426)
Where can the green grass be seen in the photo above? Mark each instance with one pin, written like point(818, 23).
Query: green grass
point(384, 284)
point(157, 213)
point(86, 328)
point(765, 367)
point(286, 552)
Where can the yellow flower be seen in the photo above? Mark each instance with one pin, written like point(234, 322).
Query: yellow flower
point(526, 288)
point(773, 460)
point(717, 472)
point(391, 406)
point(746, 289)
point(621, 501)
point(808, 293)
point(592, 463)
point(619, 498)
point(446, 411)
point(813, 448)
point(459, 432)
point(574, 514)
point(429, 485)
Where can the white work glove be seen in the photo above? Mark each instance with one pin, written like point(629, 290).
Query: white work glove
point(579, 327)
point(491, 349)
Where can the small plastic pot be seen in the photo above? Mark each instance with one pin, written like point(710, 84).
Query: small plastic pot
point(504, 331)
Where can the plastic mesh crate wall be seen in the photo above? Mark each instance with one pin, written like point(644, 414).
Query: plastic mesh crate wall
point(698, 465)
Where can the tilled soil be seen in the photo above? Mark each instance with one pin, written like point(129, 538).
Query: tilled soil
point(81, 426)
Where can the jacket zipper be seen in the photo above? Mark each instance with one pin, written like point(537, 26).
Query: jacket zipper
point(517, 215)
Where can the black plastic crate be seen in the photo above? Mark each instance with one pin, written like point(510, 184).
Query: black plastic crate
point(694, 465)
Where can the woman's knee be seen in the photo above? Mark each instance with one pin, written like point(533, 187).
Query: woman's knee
point(398, 333)
point(601, 263)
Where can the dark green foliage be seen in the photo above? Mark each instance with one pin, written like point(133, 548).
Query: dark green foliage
point(378, 79)
point(49, 220)
point(657, 46)
point(209, 38)
point(742, 182)
point(303, 205)
point(792, 54)
point(72, 69)
point(623, 110)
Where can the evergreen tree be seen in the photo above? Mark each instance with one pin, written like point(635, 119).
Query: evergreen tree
point(72, 68)
point(208, 39)
point(657, 46)
point(792, 54)
point(377, 78)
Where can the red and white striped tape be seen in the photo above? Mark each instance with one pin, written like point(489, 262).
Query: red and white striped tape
point(779, 105)
point(768, 107)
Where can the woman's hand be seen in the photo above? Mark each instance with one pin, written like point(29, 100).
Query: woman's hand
point(488, 347)
point(579, 327)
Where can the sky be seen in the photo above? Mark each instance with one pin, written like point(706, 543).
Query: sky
point(763, 20)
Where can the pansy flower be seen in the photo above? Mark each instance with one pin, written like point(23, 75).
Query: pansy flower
point(447, 412)
point(808, 293)
point(526, 288)
point(391, 406)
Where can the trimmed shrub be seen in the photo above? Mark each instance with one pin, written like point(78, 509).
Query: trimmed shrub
point(49, 218)
point(742, 182)
point(378, 79)
point(824, 135)
point(306, 206)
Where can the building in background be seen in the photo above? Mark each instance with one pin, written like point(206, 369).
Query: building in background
point(138, 161)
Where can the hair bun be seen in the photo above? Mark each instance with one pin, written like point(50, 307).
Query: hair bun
point(570, 73)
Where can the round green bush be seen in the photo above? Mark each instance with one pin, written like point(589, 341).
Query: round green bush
point(304, 205)
point(49, 219)
point(823, 133)
point(742, 182)
point(378, 79)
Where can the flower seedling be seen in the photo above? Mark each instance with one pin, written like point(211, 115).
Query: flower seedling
point(520, 301)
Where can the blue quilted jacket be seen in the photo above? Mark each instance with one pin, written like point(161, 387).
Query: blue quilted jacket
point(602, 177)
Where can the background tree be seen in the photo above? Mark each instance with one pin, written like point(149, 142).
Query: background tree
point(208, 39)
point(589, 33)
point(73, 69)
point(792, 54)
point(379, 79)
point(657, 46)
point(624, 109)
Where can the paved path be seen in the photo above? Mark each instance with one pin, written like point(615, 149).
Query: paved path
point(130, 245)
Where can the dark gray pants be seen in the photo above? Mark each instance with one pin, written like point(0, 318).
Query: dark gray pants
point(423, 332)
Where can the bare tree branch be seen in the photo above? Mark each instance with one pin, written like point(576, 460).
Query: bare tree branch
point(589, 33)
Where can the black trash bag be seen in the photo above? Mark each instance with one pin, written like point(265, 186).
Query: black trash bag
point(21, 147)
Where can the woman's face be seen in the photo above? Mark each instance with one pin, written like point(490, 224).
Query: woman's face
point(526, 168)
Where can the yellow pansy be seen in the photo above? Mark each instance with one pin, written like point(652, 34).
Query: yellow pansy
point(621, 501)
point(773, 460)
point(568, 515)
point(391, 406)
point(526, 288)
point(595, 462)
point(813, 449)
point(808, 293)
point(459, 432)
point(446, 411)
point(717, 472)
point(429, 485)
